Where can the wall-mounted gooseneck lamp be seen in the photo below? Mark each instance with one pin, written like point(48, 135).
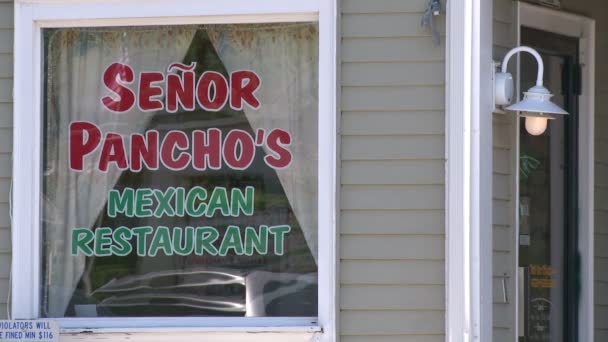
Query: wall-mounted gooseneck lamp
point(536, 106)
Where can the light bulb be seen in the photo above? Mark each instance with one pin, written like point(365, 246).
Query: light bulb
point(536, 126)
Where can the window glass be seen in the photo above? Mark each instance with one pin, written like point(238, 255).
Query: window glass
point(180, 171)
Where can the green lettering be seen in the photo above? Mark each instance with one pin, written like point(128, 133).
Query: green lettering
point(81, 237)
point(120, 203)
point(278, 233)
point(205, 237)
point(242, 203)
point(232, 240)
point(121, 236)
point(183, 246)
point(256, 240)
point(143, 200)
point(164, 202)
point(140, 233)
point(161, 240)
point(103, 241)
point(218, 200)
point(196, 193)
point(179, 201)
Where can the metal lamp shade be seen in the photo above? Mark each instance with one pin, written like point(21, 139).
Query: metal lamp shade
point(537, 103)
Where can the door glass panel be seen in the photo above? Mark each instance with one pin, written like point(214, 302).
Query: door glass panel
point(542, 213)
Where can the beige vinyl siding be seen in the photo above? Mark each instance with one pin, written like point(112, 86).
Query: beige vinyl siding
point(6, 143)
point(504, 177)
point(392, 243)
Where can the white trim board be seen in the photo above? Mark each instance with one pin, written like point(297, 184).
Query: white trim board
point(469, 107)
point(32, 16)
point(583, 28)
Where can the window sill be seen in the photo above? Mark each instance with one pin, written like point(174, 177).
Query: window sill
point(187, 325)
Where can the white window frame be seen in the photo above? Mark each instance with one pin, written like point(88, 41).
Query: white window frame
point(31, 16)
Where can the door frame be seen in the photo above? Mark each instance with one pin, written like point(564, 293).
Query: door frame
point(582, 28)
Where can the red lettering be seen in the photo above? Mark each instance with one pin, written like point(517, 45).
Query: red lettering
point(114, 77)
point(206, 151)
point(84, 139)
point(148, 91)
point(239, 149)
point(276, 142)
point(144, 150)
point(208, 81)
point(244, 91)
point(113, 151)
point(172, 141)
point(180, 90)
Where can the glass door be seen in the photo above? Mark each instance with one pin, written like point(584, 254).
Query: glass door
point(548, 199)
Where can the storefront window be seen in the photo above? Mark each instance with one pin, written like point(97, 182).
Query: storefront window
point(180, 171)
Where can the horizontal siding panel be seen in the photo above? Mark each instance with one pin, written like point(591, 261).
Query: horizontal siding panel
point(503, 263)
point(6, 90)
point(5, 186)
point(393, 74)
point(501, 187)
point(502, 335)
point(4, 284)
point(601, 222)
point(396, 247)
point(6, 140)
point(6, 40)
point(503, 11)
point(601, 198)
point(502, 315)
point(503, 239)
point(392, 98)
point(6, 15)
point(392, 222)
point(601, 335)
point(502, 161)
point(502, 134)
point(601, 292)
point(394, 338)
point(501, 213)
point(393, 123)
point(391, 272)
point(392, 322)
point(601, 175)
point(5, 240)
point(387, 25)
point(6, 65)
point(383, 6)
point(601, 241)
point(393, 172)
point(412, 49)
point(5, 220)
point(503, 34)
point(391, 297)
point(5, 265)
point(601, 268)
point(392, 147)
point(6, 115)
point(5, 165)
point(393, 197)
point(601, 317)
point(600, 156)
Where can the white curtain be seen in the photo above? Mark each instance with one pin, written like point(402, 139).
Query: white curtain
point(286, 58)
point(76, 59)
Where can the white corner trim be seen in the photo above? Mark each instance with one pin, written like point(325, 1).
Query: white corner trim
point(469, 107)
